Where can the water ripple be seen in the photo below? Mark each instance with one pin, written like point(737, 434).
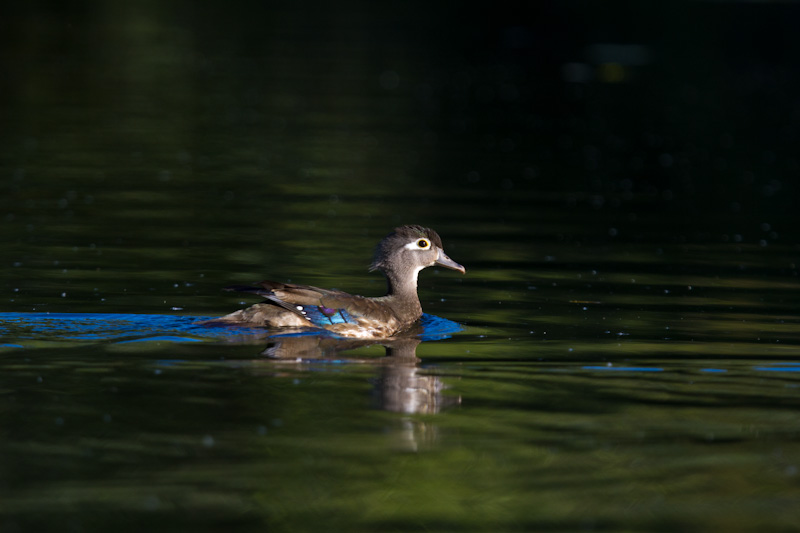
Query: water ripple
point(16, 328)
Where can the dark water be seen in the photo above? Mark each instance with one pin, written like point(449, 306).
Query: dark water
point(622, 354)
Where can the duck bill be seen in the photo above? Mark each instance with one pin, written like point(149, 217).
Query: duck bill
point(446, 262)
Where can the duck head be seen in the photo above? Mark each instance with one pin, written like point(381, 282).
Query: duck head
point(409, 249)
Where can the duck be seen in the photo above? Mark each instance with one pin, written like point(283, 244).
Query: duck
point(400, 256)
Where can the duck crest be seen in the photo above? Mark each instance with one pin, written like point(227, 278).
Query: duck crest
point(400, 256)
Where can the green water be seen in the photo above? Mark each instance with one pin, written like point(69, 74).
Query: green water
point(629, 357)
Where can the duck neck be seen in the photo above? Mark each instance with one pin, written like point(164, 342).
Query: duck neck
point(401, 294)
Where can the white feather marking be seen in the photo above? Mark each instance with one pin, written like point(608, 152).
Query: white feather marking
point(414, 245)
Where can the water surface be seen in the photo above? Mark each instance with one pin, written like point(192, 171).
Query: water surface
point(597, 383)
point(622, 354)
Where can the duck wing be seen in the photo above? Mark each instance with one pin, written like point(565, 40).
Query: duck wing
point(321, 307)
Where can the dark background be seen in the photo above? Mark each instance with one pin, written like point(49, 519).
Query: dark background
point(698, 109)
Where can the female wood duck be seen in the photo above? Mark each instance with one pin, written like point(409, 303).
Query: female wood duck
point(400, 256)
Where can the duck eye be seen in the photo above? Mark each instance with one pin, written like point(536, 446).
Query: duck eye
point(422, 243)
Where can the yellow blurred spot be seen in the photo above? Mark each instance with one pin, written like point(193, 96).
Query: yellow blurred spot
point(611, 73)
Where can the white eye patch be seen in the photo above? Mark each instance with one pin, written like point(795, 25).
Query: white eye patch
point(419, 244)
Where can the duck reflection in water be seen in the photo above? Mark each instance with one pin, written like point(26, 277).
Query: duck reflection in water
point(310, 323)
point(399, 385)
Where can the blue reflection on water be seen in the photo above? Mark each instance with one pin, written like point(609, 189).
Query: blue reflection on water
point(126, 328)
point(437, 328)
point(779, 367)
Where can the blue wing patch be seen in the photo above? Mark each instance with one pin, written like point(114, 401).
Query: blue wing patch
point(325, 316)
